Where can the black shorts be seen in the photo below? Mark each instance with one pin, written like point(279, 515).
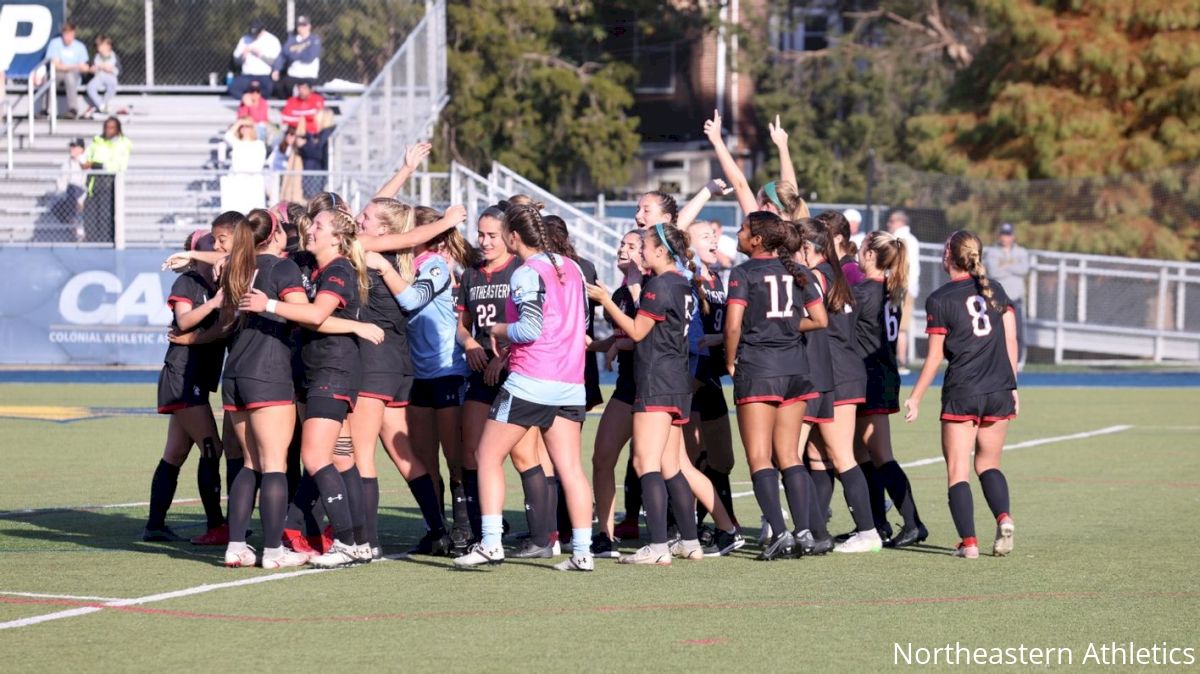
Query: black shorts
point(709, 402)
point(625, 390)
point(478, 391)
point(852, 392)
point(391, 387)
point(708, 373)
point(510, 410)
point(327, 408)
point(176, 391)
point(438, 393)
point(820, 409)
point(783, 390)
point(998, 406)
point(331, 383)
point(678, 406)
point(883, 394)
point(591, 381)
point(239, 394)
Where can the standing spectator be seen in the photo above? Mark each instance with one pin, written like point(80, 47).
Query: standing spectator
point(254, 106)
point(102, 88)
point(300, 60)
point(314, 149)
point(108, 152)
point(70, 59)
point(255, 53)
point(303, 108)
point(854, 217)
point(72, 187)
point(897, 224)
point(284, 158)
point(1008, 263)
point(243, 189)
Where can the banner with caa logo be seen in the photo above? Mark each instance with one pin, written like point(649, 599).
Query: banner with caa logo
point(26, 28)
point(84, 307)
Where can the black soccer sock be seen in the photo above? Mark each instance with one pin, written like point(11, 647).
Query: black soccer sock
point(858, 498)
point(633, 491)
point(458, 503)
point(562, 515)
point(295, 468)
point(272, 508)
point(654, 498)
point(962, 509)
point(162, 492)
point(208, 483)
point(817, 524)
point(352, 479)
point(796, 484)
point(301, 511)
point(241, 503)
point(823, 490)
point(371, 506)
point(470, 492)
point(875, 492)
point(766, 492)
point(720, 483)
point(683, 504)
point(441, 492)
point(337, 506)
point(995, 490)
point(537, 496)
point(232, 468)
point(893, 478)
point(425, 494)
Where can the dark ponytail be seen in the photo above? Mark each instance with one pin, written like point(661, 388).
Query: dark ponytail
point(838, 225)
point(667, 203)
point(816, 232)
point(680, 245)
point(780, 238)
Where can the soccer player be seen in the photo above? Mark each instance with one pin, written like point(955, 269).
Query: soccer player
point(971, 325)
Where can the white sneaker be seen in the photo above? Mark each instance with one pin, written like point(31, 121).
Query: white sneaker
point(363, 551)
point(281, 557)
point(556, 548)
point(967, 551)
point(239, 557)
point(573, 563)
point(477, 554)
point(1004, 537)
point(861, 541)
point(339, 554)
point(682, 551)
point(644, 555)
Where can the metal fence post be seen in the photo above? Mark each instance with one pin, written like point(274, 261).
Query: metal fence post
point(1060, 310)
point(426, 190)
point(1081, 304)
point(1160, 324)
point(1180, 300)
point(431, 50)
point(119, 211)
point(149, 33)
point(53, 94)
point(32, 107)
point(1031, 304)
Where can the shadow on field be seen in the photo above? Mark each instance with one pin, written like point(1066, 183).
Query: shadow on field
point(103, 531)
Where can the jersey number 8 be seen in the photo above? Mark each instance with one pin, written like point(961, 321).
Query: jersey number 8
point(777, 312)
point(485, 315)
point(981, 323)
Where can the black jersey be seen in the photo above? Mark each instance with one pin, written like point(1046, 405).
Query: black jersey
point(383, 310)
point(877, 328)
point(975, 341)
point(201, 363)
point(771, 344)
point(714, 322)
point(589, 277)
point(845, 361)
point(661, 358)
point(482, 296)
point(623, 298)
point(260, 347)
point(339, 352)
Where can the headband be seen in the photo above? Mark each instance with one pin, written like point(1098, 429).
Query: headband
point(195, 238)
point(281, 209)
point(662, 236)
point(773, 195)
point(274, 222)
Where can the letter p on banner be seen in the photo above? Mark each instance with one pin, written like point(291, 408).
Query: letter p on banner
point(25, 30)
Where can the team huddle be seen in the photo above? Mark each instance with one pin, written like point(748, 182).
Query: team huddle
point(330, 334)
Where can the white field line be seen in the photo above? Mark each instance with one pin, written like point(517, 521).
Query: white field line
point(148, 599)
point(1108, 430)
point(73, 597)
point(106, 506)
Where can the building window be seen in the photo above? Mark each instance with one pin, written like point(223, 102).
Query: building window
point(656, 68)
point(806, 28)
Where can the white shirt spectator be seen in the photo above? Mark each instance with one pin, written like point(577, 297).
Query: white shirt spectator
point(258, 54)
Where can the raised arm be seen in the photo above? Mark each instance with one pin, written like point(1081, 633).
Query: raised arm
point(787, 170)
point(418, 235)
point(733, 173)
point(690, 210)
point(413, 157)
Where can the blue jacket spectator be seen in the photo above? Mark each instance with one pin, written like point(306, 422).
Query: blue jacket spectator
point(300, 60)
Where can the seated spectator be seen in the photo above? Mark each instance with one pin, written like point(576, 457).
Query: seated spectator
point(255, 53)
point(300, 60)
point(102, 88)
point(303, 108)
point(70, 59)
point(254, 106)
point(71, 187)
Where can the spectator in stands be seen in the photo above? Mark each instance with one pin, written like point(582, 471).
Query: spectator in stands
point(255, 53)
point(102, 88)
point(108, 152)
point(70, 59)
point(284, 157)
point(243, 189)
point(854, 217)
point(72, 187)
point(254, 106)
point(314, 149)
point(303, 108)
point(1008, 263)
point(300, 60)
point(897, 224)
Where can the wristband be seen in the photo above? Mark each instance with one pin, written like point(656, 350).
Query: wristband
point(271, 304)
point(713, 187)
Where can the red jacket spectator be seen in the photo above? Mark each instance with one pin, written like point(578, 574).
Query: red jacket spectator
point(303, 107)
point(254, 105)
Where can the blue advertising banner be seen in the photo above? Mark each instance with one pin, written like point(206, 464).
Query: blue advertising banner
point(26, 27)
point(84, 307)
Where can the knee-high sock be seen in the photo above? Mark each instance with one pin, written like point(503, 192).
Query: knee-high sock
point(962, 509)
point(371, 506)
point(633, 491)
point(654, 498)
point(562, 516)
point(162, 492)
point(858, 499)
point(720, 482)
point(537, 496)
point(796, 484)
point(208, 483)
point(893, 478)
point(424, 491)
point(766, 492)
point(272, 508)
point(875, 491)
point(470, 491)
point(823, 490)
point(232, 468)
point(995, 491)
point(683, 503)
point(817, 523)
point(337, 505)
point(458, 493)
point(302, 509)
point(352, 479)
point(241, 503)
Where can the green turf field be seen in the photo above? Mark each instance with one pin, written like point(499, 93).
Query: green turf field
point(1103, 553)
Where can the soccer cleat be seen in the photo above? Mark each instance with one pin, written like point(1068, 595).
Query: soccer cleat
point(376, 554)
point(706, 534)
point(1004, 537)
point(283, 558)
point(480, 555)
point(240, 558)
point(908, 536)
point(682, 551)
point(604, 547)
point(807, 545)
point(363, 551)
point(339, 554)
point(884, 531)
point(218, 535)
point(531, 550)
point(293, 539)
point(627, 529)
point(460, 536)
point(645, 555)
point(555, 545)
point(437, 544)
point(967, 550)
point(765, 535)
point(573, 563)
point(724, 543)
point(781, 546)
point(161, 534)
point(861, 541)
